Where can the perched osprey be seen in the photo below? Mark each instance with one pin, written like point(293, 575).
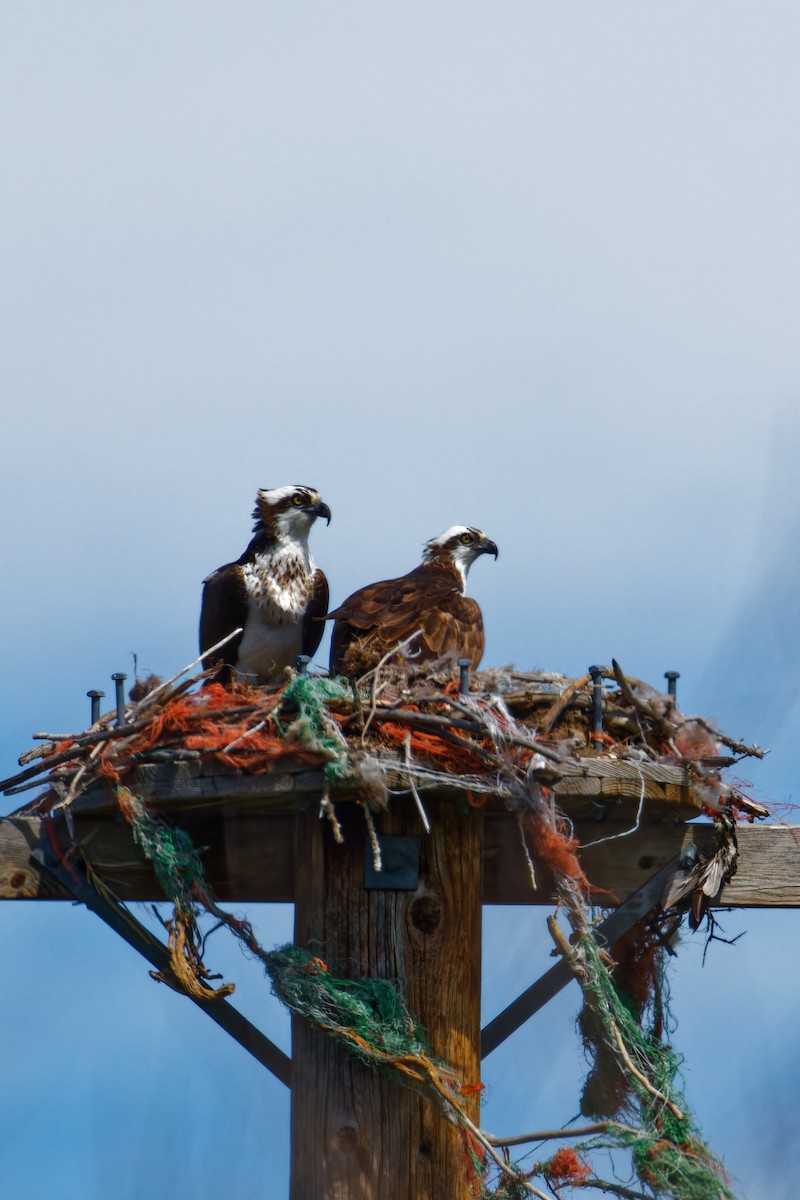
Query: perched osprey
point(430, 599)
point(273, 591)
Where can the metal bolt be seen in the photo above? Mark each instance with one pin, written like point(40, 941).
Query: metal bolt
point(672, 678)
point(464, 665)
point(119, 678)
point(301, 663)
point(597, 705)
point(95, 698)
point(689, 856)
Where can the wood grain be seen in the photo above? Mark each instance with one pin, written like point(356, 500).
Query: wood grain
point(249, 856)
point(371, 1137)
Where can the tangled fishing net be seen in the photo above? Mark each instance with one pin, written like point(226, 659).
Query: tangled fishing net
point(517, 738)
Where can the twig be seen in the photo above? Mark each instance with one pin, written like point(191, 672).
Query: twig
point(643, 1080)
point(412, 785)
point(147, 700)
point(37, 752)
point(55, 760)
point(436, 720)
point(575, 1131)
point(247, 733)
point(481, 1137)
point(73, 787)
point(753, 751)
point(555, 711)
point(617, 1189)
point(34, 783)
point(81, 741)
point(374, 693)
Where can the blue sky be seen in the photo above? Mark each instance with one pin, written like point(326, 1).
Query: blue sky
point(529, 266)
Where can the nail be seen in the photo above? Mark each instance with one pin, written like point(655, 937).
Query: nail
point(464, 665)
point(119, 678)
point(597, 706)
point(672, 678)
point(95, 698)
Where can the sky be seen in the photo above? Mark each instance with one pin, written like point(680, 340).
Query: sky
point(529, 266)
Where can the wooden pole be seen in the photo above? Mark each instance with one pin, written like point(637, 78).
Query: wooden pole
point(356, 1134)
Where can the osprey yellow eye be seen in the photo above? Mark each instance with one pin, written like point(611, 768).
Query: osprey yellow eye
point(297, 500)
point(466, 539)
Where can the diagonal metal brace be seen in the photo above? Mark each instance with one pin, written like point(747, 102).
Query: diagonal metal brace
point(558, 976)
point(140, 937)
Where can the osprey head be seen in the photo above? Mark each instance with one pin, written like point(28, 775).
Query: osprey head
point(458, 547)
point(287, 513)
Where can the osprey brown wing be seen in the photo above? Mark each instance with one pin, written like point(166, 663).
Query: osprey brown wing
point(224, 608)
point(428, 600)
point(313, 626)
point(457, 630)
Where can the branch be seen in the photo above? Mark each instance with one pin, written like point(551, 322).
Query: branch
point(147, 700)
point(545, 1135)
point(618, 1189)
point(643, 1080)
point(434, 720)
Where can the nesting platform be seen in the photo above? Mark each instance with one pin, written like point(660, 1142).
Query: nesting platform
point(245, 828)
point(508, 789)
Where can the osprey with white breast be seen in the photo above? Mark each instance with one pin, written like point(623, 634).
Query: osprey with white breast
point(429, 602)
point(274, 591)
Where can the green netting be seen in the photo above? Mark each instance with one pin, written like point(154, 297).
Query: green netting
point(176, 863)
point(371, 1009)
point(667, 1152)
point(371, 1019)
point(314, 726)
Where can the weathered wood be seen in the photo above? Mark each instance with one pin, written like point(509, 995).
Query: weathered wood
point(20, 877)
point(250, 857)
point(616, 868)
point(372, 1138)
point(768, 875)
point(582, 782)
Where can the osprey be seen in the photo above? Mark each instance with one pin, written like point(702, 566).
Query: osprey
point(429, 602)
point(273, 591)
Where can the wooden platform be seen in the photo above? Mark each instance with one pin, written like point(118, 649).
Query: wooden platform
point(244, 825)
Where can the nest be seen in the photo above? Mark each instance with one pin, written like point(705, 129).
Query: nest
point(529, 740)
point(571, 735)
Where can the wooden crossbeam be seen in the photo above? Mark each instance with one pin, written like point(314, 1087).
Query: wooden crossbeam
point(251, 858)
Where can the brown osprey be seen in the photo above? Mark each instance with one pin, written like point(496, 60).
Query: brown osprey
point(273, 591)
point(429, 601)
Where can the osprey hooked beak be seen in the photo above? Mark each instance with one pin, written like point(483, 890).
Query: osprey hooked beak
point(487, 546)
point(321, 510)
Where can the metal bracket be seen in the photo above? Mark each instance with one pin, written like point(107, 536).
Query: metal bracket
point(122, 921)
point(399, 862)
point(550, 984)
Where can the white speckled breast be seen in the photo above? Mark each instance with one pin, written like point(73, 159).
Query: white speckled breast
point(279, 587)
